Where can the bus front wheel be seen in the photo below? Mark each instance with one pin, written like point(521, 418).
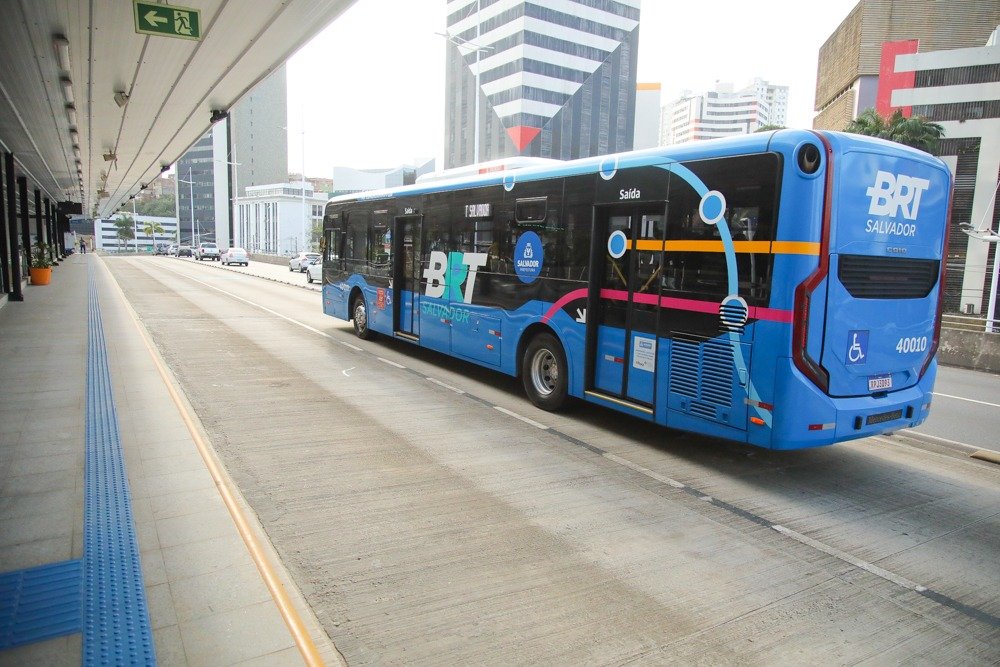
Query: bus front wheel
point(544, 372)
point(360, 312)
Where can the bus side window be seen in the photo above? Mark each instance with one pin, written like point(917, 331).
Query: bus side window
point(356, 248)
point(380, 246)
point(749, 184)
point(331, 245)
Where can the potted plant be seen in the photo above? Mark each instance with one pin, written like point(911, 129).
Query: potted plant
point(41, 266)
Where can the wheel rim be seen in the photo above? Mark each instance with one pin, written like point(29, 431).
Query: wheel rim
point(360, 316)
point(544, 372)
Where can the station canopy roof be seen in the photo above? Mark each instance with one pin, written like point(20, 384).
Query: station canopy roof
point(76, 73)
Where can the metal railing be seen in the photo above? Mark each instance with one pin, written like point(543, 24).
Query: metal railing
point(970, 323)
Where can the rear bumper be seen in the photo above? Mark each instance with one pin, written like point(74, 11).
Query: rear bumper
point(813, 419)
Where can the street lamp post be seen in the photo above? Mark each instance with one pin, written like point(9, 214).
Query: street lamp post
point(307, 218)
point(236, 196)
point(135, 229)
point(190, 182)
point(460, 42)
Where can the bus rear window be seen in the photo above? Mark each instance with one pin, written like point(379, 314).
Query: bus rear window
point(871, 277)
point(530, 210)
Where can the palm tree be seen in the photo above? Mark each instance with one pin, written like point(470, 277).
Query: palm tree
point(124, 227)
point(916, 132)
point(152, 229)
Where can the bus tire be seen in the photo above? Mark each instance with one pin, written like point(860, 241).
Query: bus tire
point(359, 313)
point(544, 372)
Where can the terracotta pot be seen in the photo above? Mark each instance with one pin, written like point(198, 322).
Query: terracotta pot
point(40, 276)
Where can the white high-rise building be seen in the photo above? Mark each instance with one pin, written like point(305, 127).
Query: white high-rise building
point(723, 112)
point(539, 78)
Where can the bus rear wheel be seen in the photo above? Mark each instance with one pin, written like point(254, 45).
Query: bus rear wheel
point(360, 316)
point(544, 372)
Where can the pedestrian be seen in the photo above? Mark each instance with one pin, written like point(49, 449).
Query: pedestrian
point(83, 246)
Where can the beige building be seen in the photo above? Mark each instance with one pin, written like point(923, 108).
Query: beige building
point(847, 76)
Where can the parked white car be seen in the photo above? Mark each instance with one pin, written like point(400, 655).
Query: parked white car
point(298, 262)
point(235, 256)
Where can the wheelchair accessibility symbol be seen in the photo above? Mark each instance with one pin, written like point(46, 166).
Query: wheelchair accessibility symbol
point(857, 347)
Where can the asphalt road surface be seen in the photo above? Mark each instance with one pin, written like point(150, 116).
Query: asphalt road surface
point(431, 515)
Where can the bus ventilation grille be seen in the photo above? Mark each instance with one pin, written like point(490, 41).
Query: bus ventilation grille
point(733, 316)
point(703, 370)
point(867, 277)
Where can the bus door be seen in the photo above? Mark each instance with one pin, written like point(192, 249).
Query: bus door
point(624, 302)
point(406, 276)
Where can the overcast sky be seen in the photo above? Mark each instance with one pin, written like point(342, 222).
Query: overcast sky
point(369, 89)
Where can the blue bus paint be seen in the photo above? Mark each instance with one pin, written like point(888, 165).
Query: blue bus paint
point(863, 203)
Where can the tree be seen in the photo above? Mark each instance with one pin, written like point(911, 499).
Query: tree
point(162, 207)
point(915, 132)
point(768, 128)
point(125, 228)
point(152, 229)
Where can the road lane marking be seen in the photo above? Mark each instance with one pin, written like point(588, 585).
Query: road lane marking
point(644, 471)
point(446, 386)
point(391, 363)
point(970, 400)
point(848, 558)
point(353, 347)
point(526, 420)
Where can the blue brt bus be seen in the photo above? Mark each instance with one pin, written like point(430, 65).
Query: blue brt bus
point(781, 289)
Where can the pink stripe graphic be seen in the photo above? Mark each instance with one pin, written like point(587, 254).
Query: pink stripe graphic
point(708, 307)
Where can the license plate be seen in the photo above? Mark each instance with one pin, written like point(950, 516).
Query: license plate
point(879, 382)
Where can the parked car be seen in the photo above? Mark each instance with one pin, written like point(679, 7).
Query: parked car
point(314, 272)
point(235, 256)
point(162, 248)
point(184, 251)
point(172, 250)
point(297, 263)
point(206, 251)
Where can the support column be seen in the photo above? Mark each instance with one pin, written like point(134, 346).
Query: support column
point(4, 246)
point(50, 232)
point(39, 228)
point(16, 294)
point(22, 202)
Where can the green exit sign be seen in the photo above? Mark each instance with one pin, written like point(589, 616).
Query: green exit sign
point(167, 20)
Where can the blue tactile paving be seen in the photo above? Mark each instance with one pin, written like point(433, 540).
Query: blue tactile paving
point(39, 603)
point(116, 628)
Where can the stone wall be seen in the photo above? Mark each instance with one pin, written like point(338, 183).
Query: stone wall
point(968, 349)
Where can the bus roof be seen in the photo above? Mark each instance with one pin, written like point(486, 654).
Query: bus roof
point(472, 176)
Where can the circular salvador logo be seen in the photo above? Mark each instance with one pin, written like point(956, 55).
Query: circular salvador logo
point(528, 257)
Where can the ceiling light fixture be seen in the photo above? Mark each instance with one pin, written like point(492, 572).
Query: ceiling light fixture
point(67, 88)
point(218, 114)
point(61, 45)
point(110, 157)
point(74, 135)
point(71, 114)
point(76, 152)
point(121, 98)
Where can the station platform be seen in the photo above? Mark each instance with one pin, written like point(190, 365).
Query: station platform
point(122, 540)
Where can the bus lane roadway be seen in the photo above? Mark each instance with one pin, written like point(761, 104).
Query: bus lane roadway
point(966, 409)
point(430, 514)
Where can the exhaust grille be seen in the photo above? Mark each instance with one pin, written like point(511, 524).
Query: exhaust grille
point(869, 277)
